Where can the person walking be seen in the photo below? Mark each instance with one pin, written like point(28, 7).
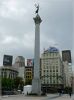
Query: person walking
point(70, 94)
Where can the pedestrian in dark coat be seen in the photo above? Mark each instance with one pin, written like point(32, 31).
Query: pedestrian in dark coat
point(70, 94)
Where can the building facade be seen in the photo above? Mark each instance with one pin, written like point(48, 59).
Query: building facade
point(67, 74)
point(20, 66)
point(29, 72)
point(66, 56)
point(21, 72)
point(51, 69)
point(8, 72)
point(19, 61)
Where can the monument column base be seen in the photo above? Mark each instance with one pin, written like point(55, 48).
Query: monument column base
point(36, 86)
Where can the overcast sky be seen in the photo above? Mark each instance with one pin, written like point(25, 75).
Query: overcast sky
point(17, 28)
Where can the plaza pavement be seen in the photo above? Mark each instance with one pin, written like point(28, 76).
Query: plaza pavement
point(48, 97)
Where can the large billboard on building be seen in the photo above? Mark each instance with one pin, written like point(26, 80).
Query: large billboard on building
point(30, 62)
point(66, 55)
point(7, 60)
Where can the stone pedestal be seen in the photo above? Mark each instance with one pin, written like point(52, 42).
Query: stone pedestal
point(0, 85)
point(73, 85)
point(36, 86)
point(36, 83)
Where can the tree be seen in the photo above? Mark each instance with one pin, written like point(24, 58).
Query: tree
point(11, 84)
point(7, 83)
point(18, 83)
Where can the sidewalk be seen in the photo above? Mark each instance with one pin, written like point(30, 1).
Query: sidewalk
point(65, 97)
point(48, 97)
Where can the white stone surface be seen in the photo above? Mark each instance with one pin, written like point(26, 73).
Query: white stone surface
point(36, 84)
point(73, 84)
point(37, 52)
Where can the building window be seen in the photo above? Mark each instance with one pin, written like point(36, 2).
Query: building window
point(53, 81)
point(50, 54)
point(57, 67)
point(26, 76)
point(50, 81)
point(47, 82)
point(2, 74)
point(53, 74)
point(53, 54)
point(53, 67)
point(56, 70)
point(53, 70)
point(9, 75)
point(44, 71)
point(50, 70)
point(5, 74)
point(47, 71)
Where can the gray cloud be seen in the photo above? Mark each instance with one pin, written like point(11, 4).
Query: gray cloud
point(17, 26)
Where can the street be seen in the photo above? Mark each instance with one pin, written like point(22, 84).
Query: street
point(48, 97)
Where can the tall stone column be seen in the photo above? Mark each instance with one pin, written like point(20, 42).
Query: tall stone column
point(0, 84)
point(36, 82)
point(73, 84)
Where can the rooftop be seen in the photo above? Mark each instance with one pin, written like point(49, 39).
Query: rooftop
point(52, 49)
point(20, 59)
